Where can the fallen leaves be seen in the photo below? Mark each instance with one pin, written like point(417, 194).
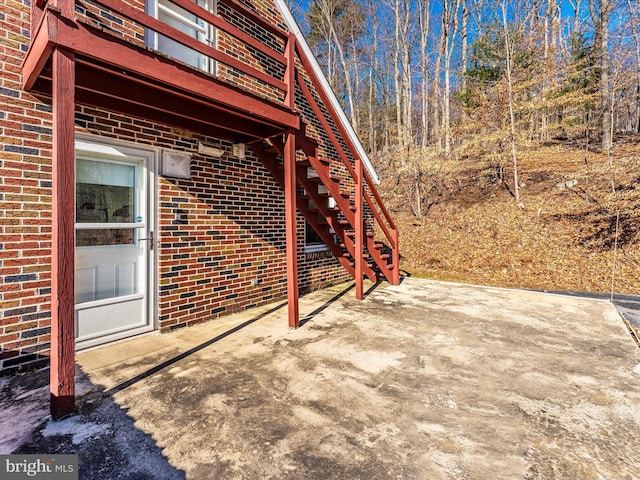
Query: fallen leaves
point(564, 239)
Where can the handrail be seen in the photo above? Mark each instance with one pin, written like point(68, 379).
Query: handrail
point(392, 237)
point(225, 26)
point(158, 26)
point(247, 12)
point(325, 124)
point(380, 203)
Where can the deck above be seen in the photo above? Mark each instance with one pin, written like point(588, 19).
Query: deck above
point(120, 74)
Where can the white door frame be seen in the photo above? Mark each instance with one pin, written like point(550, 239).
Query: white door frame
point(102, 148)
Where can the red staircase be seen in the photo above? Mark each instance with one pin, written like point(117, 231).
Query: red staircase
point(346, 211)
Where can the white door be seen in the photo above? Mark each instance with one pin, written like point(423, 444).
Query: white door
point(114, 243)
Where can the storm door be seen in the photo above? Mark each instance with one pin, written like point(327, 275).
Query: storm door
point(114, 243)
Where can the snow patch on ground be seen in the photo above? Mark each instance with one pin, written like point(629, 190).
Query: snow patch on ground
point(74, 426)
point(19, 417)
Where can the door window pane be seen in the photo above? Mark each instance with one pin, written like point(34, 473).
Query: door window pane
point(105, 193)
point(95, 237)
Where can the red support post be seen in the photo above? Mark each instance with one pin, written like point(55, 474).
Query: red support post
point(62, 373)
point(290, 73)
point(290, 194)
point(396, 258)
point(359, 227)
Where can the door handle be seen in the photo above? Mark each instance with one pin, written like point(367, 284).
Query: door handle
point(150, 239)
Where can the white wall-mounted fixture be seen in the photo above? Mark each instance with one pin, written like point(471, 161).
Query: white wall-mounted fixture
point(239, 150)
point(212, 151)
point(176, 164)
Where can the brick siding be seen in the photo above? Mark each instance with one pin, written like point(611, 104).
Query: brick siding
point(228, 255)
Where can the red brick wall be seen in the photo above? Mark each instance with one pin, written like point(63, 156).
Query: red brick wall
point(25, 199)
point(228, 256)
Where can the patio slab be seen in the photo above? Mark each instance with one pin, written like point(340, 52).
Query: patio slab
point(426, 380)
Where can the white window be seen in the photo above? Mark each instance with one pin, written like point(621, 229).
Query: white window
point(180, 19)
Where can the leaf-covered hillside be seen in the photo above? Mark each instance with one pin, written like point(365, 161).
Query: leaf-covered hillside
point(575, 232)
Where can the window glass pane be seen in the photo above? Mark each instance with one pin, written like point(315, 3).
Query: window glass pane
point(180, 52)
point(181, 20)
point(105, 192)
point(311, 237)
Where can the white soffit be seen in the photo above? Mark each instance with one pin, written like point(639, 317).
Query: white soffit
point(293, 26)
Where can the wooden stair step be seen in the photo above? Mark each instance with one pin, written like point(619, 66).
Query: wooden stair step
point(307, 163)
point(353, 234)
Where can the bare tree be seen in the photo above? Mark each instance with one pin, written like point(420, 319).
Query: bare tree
point(600, 15)
point(424, 17)
point(464, 42)
point(402, 75)
point(449, 25)
point(575, 6)
point(508, 70)
point(634, 20)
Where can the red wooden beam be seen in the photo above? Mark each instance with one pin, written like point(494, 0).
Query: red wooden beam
point(145, 96)
point(290, 194)
point(39, 51)
point(395, 259)
point(37, 12)
point(62, 382)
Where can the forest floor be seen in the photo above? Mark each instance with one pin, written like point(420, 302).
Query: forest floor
point(573, 233)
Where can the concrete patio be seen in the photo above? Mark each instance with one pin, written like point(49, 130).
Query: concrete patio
point(426, 380)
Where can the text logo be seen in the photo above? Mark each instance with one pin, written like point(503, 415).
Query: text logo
point(50, 467)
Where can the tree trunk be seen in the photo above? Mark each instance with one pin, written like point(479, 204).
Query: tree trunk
point(398, 81)
point(633, 19)
point(604, 79)
point(407, 84)
point(464, 51)
point(600, 11)
point(346, 71)
point(437, 110)
point(512, 137)
point(449, 23)
point(576, 5)
point(425, 17)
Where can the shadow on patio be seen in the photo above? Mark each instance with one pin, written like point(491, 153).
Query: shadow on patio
point(422, 380)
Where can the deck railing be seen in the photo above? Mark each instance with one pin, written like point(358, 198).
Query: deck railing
point(257, 67)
